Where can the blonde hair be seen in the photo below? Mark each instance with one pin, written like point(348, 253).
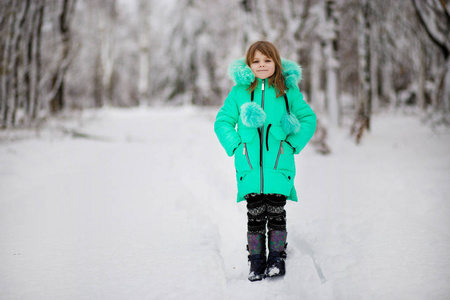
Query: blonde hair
point(269, 50)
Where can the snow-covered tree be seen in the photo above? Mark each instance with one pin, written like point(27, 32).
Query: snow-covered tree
point(362, 121)
point(434, 16)
point(72, 54)
point(331, 38)
point(144, 51)
point(57, 96)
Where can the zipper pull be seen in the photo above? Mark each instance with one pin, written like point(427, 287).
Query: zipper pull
point(262, 87)
point(281, 147)
point(245, 149)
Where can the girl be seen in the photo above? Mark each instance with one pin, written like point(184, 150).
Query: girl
point(273, 123)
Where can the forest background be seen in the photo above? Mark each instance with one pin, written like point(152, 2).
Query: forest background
point(358, 56)
point(109, 162)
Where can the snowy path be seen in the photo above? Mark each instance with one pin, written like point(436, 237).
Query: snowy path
point(150, 213)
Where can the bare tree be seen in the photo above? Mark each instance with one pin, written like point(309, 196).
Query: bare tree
point(434, 16)
point(144, 51)
point(192, 42)
point(37, 59)
point(332, 66)
point(17, 57)
point(57, 100)
point(107, 17)
point(8, 29)
point(362, 121)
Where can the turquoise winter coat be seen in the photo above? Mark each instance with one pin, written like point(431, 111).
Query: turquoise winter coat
point(267, 136)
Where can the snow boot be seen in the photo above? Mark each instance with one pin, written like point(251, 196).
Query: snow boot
point(277, 255)
point(257, 256)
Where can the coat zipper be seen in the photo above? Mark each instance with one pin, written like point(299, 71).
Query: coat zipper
point(246, 155)
point(262, 140)
point(280, 151)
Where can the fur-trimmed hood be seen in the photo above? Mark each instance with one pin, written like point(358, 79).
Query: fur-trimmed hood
point(241, 74)
point(252, 114)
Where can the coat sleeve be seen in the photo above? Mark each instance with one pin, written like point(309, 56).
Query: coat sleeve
point(225, 124)
point(308, 122)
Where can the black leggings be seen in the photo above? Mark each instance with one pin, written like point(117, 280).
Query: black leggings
point(265, 209)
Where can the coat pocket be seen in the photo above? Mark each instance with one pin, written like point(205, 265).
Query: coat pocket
point(280, 151)
point(244, 157)
point(284, 158)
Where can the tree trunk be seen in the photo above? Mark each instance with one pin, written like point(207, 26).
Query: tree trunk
point(29, 66)
point(144, 52)
point(7, 67)
point(98, 83)
point(374, 68)
point(362, 121)
point(17, 61)
point(435, 19)
point(332, 65)
point(387, 87)
point(40, 21)
point(107, 18)
point(421, 78)
point(57, 102)
point(316, 71)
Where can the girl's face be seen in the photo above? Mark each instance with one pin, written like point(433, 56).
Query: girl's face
point(262, 66)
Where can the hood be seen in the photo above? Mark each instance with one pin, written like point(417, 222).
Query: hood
point(241, 74)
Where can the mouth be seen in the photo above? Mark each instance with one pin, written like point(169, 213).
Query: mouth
point(262, 71)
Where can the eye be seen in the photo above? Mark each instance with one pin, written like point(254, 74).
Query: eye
point(268, 60)
point(256, 61)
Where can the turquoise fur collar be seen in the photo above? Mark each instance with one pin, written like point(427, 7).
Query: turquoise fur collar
point(241, 74)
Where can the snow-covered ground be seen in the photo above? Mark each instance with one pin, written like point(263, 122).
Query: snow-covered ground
point(146, 210)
